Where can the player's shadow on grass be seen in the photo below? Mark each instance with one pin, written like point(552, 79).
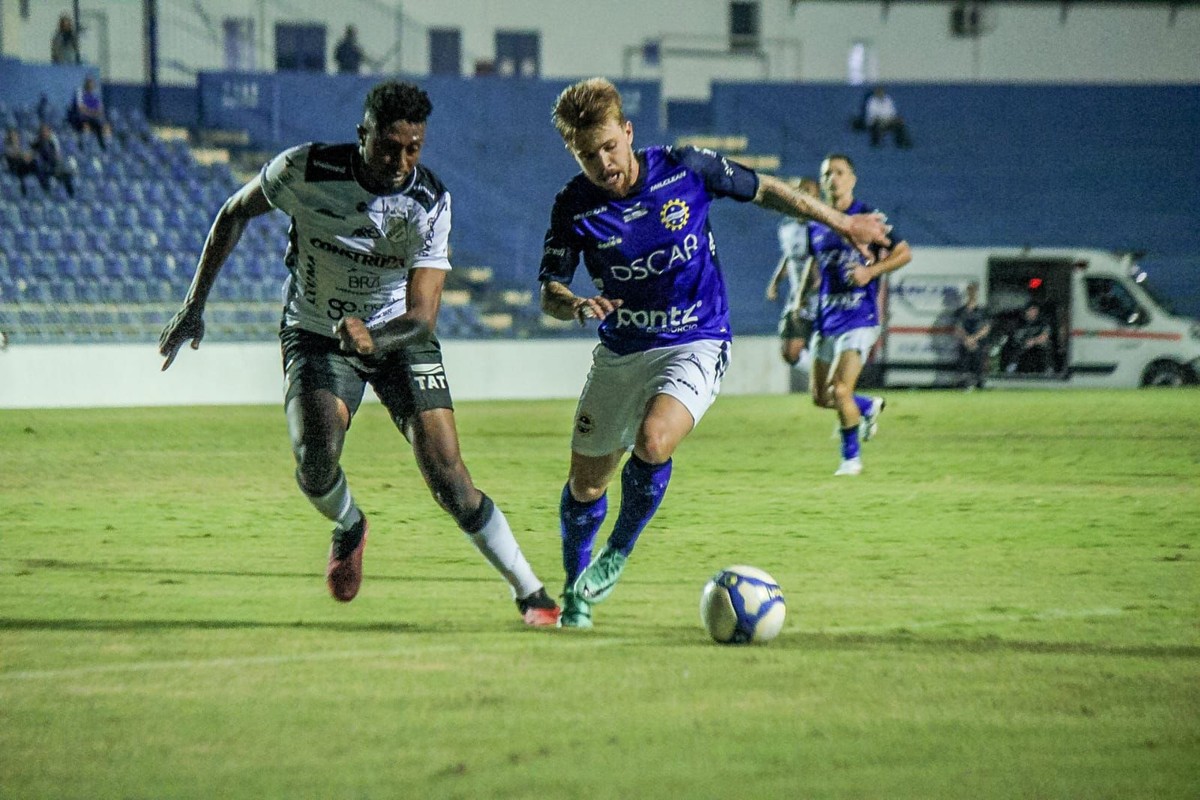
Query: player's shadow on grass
point(650, 634)
point(31, 565)
point(135, 625)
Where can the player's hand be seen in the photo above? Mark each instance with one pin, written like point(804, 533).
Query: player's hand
point(772, 293)
point(861, 275)
point(864, 230)
point(188, 323)
point(597, 308)
point(354, 337)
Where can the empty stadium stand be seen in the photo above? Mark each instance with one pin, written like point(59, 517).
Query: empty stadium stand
point(1095, 166)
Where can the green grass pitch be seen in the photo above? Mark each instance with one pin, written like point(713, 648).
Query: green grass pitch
point(1004, 605)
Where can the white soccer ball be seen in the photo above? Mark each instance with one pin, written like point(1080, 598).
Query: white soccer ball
point(742, 605)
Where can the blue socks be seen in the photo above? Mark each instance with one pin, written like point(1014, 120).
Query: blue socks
point(864, 404)
point(850, 442)
point(579, 523)
point(642, 488)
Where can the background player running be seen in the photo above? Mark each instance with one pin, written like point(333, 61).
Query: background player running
point(367, 259)
point(639, 220)
point(848, 320)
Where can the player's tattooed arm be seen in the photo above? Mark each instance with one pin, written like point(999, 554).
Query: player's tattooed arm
point(862, 230)
point(423, 300)
point(560, 302)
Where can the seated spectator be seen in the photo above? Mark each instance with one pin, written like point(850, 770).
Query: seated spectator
point(87, 112)
point(19, 159)
point(881, 116)
point(348, 54)
point(1028, 348)
point(50, 160)
point(64, 46)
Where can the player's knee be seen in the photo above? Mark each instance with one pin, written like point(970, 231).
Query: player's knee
point(451, 487)
point(587, 491)
point(655, 446)
point(842, 392)
point(316, 465)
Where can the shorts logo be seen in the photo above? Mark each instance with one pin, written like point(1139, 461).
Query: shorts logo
point(429, 376)
point(675, 214)
point(584, 424)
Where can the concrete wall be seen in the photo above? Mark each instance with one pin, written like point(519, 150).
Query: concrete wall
point(61, 376)
point(810, 40)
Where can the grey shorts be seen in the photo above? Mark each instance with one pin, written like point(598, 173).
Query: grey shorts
point(407, 382)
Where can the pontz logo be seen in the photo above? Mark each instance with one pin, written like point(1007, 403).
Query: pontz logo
point(675, 214)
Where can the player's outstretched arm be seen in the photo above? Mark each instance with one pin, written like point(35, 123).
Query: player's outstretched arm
point(423, 300)
point(861, 230)
point(560, 302)
point(188, 323)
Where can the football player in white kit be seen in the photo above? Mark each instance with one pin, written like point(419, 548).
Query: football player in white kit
point(367, 260)
point(800, 309)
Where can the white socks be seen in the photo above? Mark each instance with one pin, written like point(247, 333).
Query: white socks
point(498, 545)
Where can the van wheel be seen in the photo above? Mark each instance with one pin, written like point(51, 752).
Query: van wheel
point(1164, 373)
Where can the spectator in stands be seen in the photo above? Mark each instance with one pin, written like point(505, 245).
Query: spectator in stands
point(971, 328)
point(639, 222)
point(1028, 348)
point(87, 112)
point(348, 54)
point(64, 46)
point(51, 163)
point(370, 209)
point(20, 160)
point(881, 116)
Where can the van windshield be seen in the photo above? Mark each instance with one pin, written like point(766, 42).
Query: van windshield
point(1157, 295)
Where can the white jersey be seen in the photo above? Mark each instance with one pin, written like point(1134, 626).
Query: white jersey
point(349, 250)
point(793, 245)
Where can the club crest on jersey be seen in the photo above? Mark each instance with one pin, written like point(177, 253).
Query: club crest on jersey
point(675, 214)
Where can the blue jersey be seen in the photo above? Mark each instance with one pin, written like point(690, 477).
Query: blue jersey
point(653, 249)
point(842, 306)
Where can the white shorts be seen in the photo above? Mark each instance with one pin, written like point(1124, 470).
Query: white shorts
point(618, 389)
point(830, 348)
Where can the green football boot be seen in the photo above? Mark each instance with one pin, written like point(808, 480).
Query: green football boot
point(597, 581)
point(576, 612)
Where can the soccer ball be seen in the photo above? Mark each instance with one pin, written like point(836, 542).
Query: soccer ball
point(742, 605)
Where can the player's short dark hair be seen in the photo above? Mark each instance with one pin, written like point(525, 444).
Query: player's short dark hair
point(393, 101)
point(842, 157)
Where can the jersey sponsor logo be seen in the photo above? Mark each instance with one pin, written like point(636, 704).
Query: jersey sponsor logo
point(678, 176)
point(429, 376)
point(366, 232)
point(593, 212)
point(675, 214)
point(634, 212)
point(611, 241)
point(339, 168)
point(360, 282)
point(834, 302)
point(365, 259)
point(336, 308)
point(557, 252)
point(670, 320)
point(658, 262)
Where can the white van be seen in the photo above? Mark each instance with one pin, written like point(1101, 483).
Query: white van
point(1107, 328)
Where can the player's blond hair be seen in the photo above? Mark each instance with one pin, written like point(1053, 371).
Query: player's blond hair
point(586, 104)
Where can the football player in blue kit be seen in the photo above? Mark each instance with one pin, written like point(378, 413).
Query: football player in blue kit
point(639, 221)
point(367, 260)
point(848, 314)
